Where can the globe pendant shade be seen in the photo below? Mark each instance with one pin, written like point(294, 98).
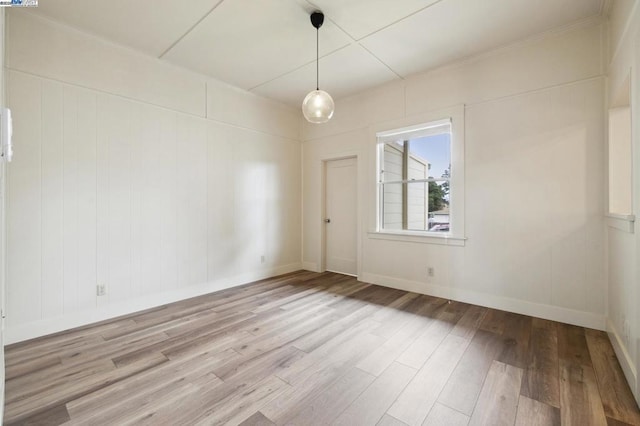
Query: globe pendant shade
point(318, 107)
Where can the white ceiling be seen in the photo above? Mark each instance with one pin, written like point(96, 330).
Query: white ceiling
point(268, 46)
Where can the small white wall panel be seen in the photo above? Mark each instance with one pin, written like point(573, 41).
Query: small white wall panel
point(250, 176)
point(102, 189)
point(535, 221)
point(282, 188)
point(622, 285)
point(52, 200)
point(24, 215)
point(86, 173)
point(167, 148)
point(147, 203)
point(220, 198)
point(70, 197)
point(192, 200)
point(119, 122)
point(283, 246)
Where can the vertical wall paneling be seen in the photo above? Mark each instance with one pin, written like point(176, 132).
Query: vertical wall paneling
point(192, 217)
point(150, 199)
point(87, 198)
point(250, 181)
point(220, 217)
point(167, 150)
point(52, 200)
point(3, 235)
point(137, 156)
point(102, 199)
point(119, 194)
point(70, 162)
point(24, 213)
point(148, 204)
point(623, 238)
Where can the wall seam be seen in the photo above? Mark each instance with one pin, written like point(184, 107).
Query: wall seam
point(100, 91)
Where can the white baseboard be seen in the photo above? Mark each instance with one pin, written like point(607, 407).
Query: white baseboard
point(18, 333)
point(625, 359)
point(550, 312)
point(310, 266)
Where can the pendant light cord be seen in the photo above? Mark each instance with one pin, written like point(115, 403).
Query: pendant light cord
point(317, 58)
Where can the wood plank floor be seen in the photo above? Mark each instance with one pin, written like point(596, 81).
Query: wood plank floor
point(308, 348)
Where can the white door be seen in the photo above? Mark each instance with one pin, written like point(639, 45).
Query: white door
point(341, 200)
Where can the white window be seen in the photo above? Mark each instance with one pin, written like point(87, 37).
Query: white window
point(620, 167)
point(419, 191)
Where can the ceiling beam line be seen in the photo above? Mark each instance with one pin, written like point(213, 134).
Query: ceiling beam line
point(190, 29)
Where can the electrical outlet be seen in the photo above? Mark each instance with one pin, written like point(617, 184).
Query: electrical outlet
point(262, 259)
point(431, 272)
point(101, 290)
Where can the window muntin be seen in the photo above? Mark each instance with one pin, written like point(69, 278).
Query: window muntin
point(415, 178)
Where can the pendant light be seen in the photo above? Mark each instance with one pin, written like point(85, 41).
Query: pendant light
point(317, 106)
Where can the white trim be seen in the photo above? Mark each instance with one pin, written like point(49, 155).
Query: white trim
point(342, 273)
point(418, 237)
point(360, 166)
point(163, 107)
point(623, 222)
point(627, 217)
point(39, 328)
point(625, 359)
point(539, 310)
point(416, 131)
point(456, 116)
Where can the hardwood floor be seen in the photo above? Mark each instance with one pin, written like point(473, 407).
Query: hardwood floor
point(309, 348)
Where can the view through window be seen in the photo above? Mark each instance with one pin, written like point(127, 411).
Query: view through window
point(414, 178)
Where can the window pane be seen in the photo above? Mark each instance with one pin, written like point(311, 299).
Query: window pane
point(439, 218)
point(392, 206)
point(435, 151)
point(393, 158)
point(429, 156)
point(416, 206)
point(415, 178)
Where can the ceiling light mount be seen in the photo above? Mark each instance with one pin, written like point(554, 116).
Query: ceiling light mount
point(318, 105)
point(317, 19)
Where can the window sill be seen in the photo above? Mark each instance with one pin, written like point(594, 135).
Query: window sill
point(623, 222)
point(419, 237)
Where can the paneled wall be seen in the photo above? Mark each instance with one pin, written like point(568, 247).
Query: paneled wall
point(623, 237)
point(534, 178)
point(3, 236)
point(155, 199)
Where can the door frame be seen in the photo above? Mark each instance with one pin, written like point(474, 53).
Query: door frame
point(323, 204)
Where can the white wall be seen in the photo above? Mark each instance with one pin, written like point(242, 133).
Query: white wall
point(2, 220)
point(534, 186)
point(623, 314)
point(128, 172)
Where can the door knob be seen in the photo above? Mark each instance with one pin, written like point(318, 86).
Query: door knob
point(327, 221)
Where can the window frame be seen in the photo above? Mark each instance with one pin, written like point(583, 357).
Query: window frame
point(456, 235)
